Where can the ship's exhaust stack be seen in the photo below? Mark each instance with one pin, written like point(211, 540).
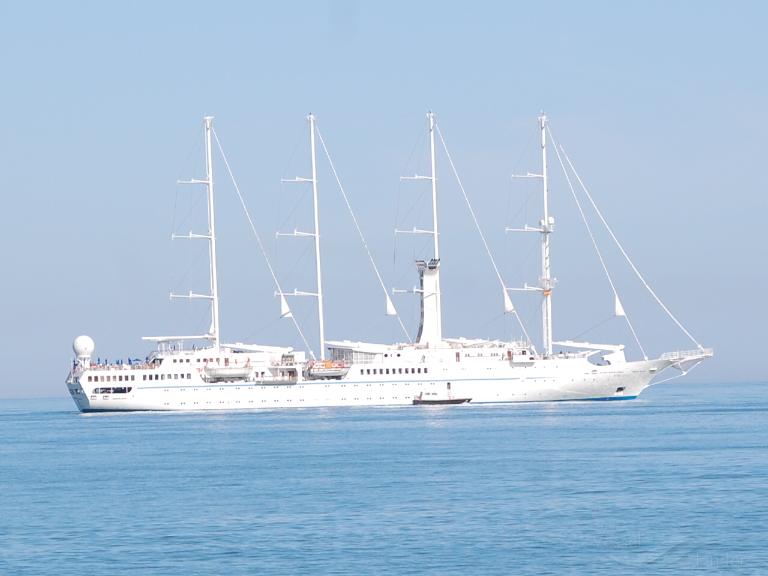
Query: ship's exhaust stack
point(430, 326)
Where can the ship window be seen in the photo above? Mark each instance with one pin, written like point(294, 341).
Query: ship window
point(425, 370)
point(162, 376)
point(189, 376)
point(143, 376)
point(133, 377)
point(175, 376)
point(418, 370)
point(90, 378)
point(118, 390)
point(399, 370)
point(362, 371)
point(387, 368)
point(367, 370)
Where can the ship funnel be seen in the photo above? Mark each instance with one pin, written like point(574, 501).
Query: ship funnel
point(430, 329)
point(83, 347)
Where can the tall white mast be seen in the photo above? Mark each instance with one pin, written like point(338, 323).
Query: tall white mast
point(431, 325)
point(547, 226)
point(321, 326)
point(212, 232)
point(433, 177)
point(314, 234)
point(435, 232)
point(213, 332)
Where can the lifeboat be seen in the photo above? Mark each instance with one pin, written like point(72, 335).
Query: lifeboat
point(325, 369)
point(215, 373)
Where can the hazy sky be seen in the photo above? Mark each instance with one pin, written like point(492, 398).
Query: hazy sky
point(661, 105)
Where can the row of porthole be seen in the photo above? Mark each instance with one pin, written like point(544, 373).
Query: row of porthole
point(382, 371)
point(286, 400)
point(204, 360)
point(280, 387)
point(120, 378)
point(132, 377)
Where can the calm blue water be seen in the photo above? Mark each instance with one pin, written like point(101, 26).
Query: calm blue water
point(673, 483)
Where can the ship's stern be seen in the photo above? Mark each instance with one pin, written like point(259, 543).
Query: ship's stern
point(77, 392)
point(83, 347)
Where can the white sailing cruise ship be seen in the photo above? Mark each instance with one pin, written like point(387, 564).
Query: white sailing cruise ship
point(431, 370)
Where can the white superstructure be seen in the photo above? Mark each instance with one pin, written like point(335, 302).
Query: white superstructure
point(431, 370)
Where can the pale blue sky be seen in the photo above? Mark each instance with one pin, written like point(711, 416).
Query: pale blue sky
point(662, 106)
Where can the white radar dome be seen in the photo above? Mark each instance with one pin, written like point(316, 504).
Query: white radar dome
point(83, 346)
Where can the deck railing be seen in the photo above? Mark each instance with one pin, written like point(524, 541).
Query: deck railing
point(683, 354)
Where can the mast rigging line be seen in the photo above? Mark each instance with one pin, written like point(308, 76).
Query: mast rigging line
point(594, 242)
point(390, 304)
point(482, 236)
point(626, 256)
point(258, 240)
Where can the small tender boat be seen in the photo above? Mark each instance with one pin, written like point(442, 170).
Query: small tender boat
point(436, 399)
point(421, 401)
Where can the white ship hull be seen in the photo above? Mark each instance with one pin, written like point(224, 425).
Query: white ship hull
point(545, 381)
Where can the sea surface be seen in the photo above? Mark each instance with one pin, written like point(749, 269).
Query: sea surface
point(675, 482)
